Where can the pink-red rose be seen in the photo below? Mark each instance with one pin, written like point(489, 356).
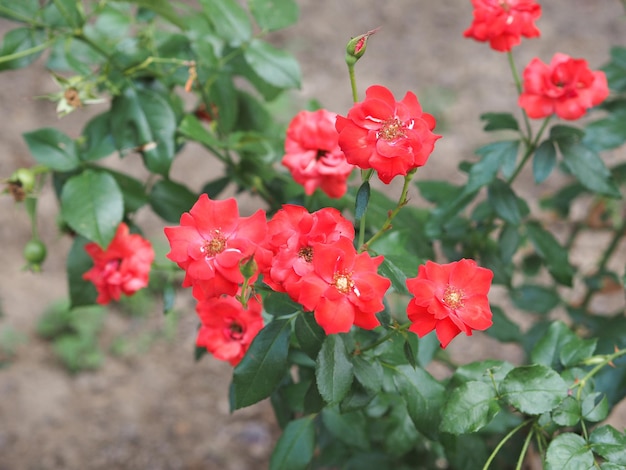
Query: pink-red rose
point(565, 87)
point(227, 327)
point(313, 156)
point(123, 268)
point(502, 23)
point(450, 299)
point(212, 241)
point(392, 137)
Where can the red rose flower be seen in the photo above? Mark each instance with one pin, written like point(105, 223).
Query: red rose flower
point(210, 243)
point(344, 288)
point(566, 87)
point(313, 155)
point(449, 298)
point(293, 234)
point(124, 267)
point(227, 327)
point(388, 136)
point(504, 22)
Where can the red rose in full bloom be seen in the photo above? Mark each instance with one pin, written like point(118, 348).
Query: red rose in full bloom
point(344, 288)
point(124, 267)
point(566, 87)
point(504, 22)
point(293, 234)
point(227, 327)
point(210, 243)
point(449, 298)
point(313, 155)
point(389, 136)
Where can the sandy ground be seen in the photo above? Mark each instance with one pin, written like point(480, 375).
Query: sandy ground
point(159, 409)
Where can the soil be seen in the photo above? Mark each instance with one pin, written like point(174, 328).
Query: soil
point(154, 407)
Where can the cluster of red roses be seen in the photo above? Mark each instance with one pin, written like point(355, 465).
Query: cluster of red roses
point(565, 87)
point(311, 256)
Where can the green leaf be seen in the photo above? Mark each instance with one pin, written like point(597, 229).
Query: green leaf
point(554, 255)
point(493, 155)
point(274, 14)
point(53, 149)
point(274, 66)
point(484, 371)
point(499, 121)
point(24, 10)
point(568, 412)
point(547, 350)
point(368, 372)
point(361, 202)
point(263, 366)
point(133, 191)
point(78, 262)
point(424, 397)
point(294, 449)
point(588, 168)
point(349, 428)
point(505, 203)
point(605, 134)
point(438, 192)
point(576, 350)
point(142, 120)
point(595, 407)
point(192, 128)
point(616, 69)
point(533, 389)
point(566, 135)
point(169, 200)
point(503, 329)
point(395, 269)
point(279, 304)
point(163, 8)
point(229, 19)
point(309, 334)
point(509, 241)
point(20, 48)
point(468, 452)
point(93, 206)
point(98, 141)
point(609, 443)
point(214, 188)
point(333, 370)
point(569, 451)
point(544, 161)
point(469, 408)
point(536, 299)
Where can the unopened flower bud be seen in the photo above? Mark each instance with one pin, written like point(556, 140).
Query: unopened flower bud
point(356, 47)
point(248, 267)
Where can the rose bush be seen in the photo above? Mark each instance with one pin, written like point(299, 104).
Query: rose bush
point(334, 299)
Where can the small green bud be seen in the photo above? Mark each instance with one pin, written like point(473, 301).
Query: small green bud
point(356, 47)
point(34, 253)
point(248, 267)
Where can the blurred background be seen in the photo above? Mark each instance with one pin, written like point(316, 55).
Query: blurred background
point(146, 404)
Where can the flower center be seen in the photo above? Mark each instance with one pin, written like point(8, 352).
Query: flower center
point(392, 129)
point(214, 246)
point(306, 253)
point(320, 154)
point(343, 282)
point(453, 297)
point(235, 331)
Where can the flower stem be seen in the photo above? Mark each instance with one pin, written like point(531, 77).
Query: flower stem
point(402, 201)
point(355, 94)
point(522, 454)
point(606, 359)
point(518, 86)
point(394, 330)
point(617, 236)
point(504, 441)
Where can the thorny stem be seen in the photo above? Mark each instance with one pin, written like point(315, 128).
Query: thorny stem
point(504, 441)
point(617, 236)
point(394, 330)
point(605, 360)
point(402, 201)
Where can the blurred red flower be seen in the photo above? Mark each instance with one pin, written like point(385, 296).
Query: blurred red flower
point(293, 234)
point(313, 155)
point(123, 268)
point(227, 327)
point(344, 288)
point(566, 87)
point(449, 298)
point(388, 136)
point(210, 243)
point(504, 22)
